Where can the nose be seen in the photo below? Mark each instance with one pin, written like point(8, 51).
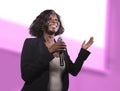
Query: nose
point(53, 21)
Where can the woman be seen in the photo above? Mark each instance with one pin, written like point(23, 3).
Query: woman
point(40, 58)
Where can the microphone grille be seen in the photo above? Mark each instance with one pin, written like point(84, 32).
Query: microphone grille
point(59, 39)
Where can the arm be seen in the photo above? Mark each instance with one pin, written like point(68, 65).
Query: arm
point(74, 68)
point(31, 67)
point(82, 56)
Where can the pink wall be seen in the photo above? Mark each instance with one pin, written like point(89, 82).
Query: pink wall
point(110, 81)
point(87, 80)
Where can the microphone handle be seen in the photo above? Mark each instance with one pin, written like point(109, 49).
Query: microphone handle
point(61, 53)
point(62, 59)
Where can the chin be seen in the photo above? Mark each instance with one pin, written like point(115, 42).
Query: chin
point(51, 32)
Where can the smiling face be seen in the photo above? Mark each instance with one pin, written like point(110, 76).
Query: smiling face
point(53, 23)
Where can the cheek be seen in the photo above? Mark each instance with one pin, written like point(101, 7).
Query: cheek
point(48, 21)
point(58, 24)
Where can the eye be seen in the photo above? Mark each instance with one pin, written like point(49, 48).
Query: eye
point(56, 19)
point(50, 18)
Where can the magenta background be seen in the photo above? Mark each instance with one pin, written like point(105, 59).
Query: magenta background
point(87, 80)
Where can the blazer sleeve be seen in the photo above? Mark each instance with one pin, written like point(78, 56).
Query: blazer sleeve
point(30, 68)
point(74, 68)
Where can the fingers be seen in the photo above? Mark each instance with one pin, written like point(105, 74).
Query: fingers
point(83, 42)
point(58, 47)
point(61, 46)
point(91, 40)
point(88, 44)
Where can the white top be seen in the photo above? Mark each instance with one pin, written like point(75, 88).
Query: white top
point(55, 75)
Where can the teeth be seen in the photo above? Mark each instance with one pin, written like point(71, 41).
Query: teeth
point(53, 25)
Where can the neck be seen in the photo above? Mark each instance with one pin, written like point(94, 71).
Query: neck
point(48, 38)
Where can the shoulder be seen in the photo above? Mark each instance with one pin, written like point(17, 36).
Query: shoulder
point(30, 41)
point(34, 41)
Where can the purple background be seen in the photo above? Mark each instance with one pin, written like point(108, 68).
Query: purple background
point(87, 80)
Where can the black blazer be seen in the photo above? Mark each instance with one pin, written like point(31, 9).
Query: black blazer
point(35, 59)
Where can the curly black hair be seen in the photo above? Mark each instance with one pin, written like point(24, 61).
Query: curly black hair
point(40, 24)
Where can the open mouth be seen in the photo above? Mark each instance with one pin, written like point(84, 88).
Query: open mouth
point(53, 25)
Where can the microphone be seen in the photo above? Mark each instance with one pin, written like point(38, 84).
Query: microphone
point(61, 53)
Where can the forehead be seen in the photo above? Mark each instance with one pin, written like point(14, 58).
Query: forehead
point(53, 15)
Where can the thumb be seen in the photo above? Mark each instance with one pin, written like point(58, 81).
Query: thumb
point(83, 42)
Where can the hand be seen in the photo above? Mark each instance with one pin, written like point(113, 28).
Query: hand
point(88, 44)
point(57, 47)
